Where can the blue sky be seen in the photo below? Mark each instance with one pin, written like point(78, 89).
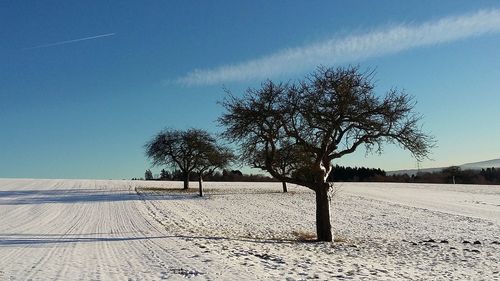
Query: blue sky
point(84, 84)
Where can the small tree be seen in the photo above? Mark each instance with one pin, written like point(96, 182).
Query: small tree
point(287, 160)
point(179, 149)
point(193, 150)
point(165, 175)
point(214, 157)
point(321, 118)
point(148, 175)
point(452, 173)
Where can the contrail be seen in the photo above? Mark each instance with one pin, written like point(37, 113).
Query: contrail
point(69, 41)
point(351, 48)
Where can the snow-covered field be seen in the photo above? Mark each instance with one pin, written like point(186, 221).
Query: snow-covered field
point(133, 230)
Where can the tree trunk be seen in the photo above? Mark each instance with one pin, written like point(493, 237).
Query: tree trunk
point(200, 185)
point(186, 180)
point(323, 225)
point(284, 186)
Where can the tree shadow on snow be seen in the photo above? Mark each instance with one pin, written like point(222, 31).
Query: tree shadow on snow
point(43, 239)
point(207, 191)
point(217, 192)
point(240, 239)
point(69, 196)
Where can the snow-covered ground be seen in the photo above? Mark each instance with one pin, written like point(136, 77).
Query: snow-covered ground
point(119, 230)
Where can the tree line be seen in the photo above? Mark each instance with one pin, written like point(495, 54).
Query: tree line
point(346, 174)
point(454, 174)
point(223, 176)
point(449, 175)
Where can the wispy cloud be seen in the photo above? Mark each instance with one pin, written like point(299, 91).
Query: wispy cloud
point(351, 48)
point(70, 41)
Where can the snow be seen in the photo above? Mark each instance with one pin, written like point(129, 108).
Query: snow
point(137, 230)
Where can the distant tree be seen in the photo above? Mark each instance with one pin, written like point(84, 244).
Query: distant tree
point(211, 158)
point(226, 175)
point(177, 149)
point(341, 173)
point(324, 117)
point(176, 175)
point(237, 173)
point(193, 150)
point(165, 175)
point(491, 175)
point(148, 175)
point(452, 173)
point(288, 158)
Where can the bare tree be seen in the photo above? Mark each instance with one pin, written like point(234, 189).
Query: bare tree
point(329, 114)
point(287, 160)
point(213, 157)
point(179, 149)
point(148, 175)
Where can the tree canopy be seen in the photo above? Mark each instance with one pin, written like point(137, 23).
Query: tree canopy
point(329, 114)
point(190, 150)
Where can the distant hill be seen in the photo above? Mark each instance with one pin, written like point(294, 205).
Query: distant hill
point(413, 171)
point(468, 166)
point(481, 165)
